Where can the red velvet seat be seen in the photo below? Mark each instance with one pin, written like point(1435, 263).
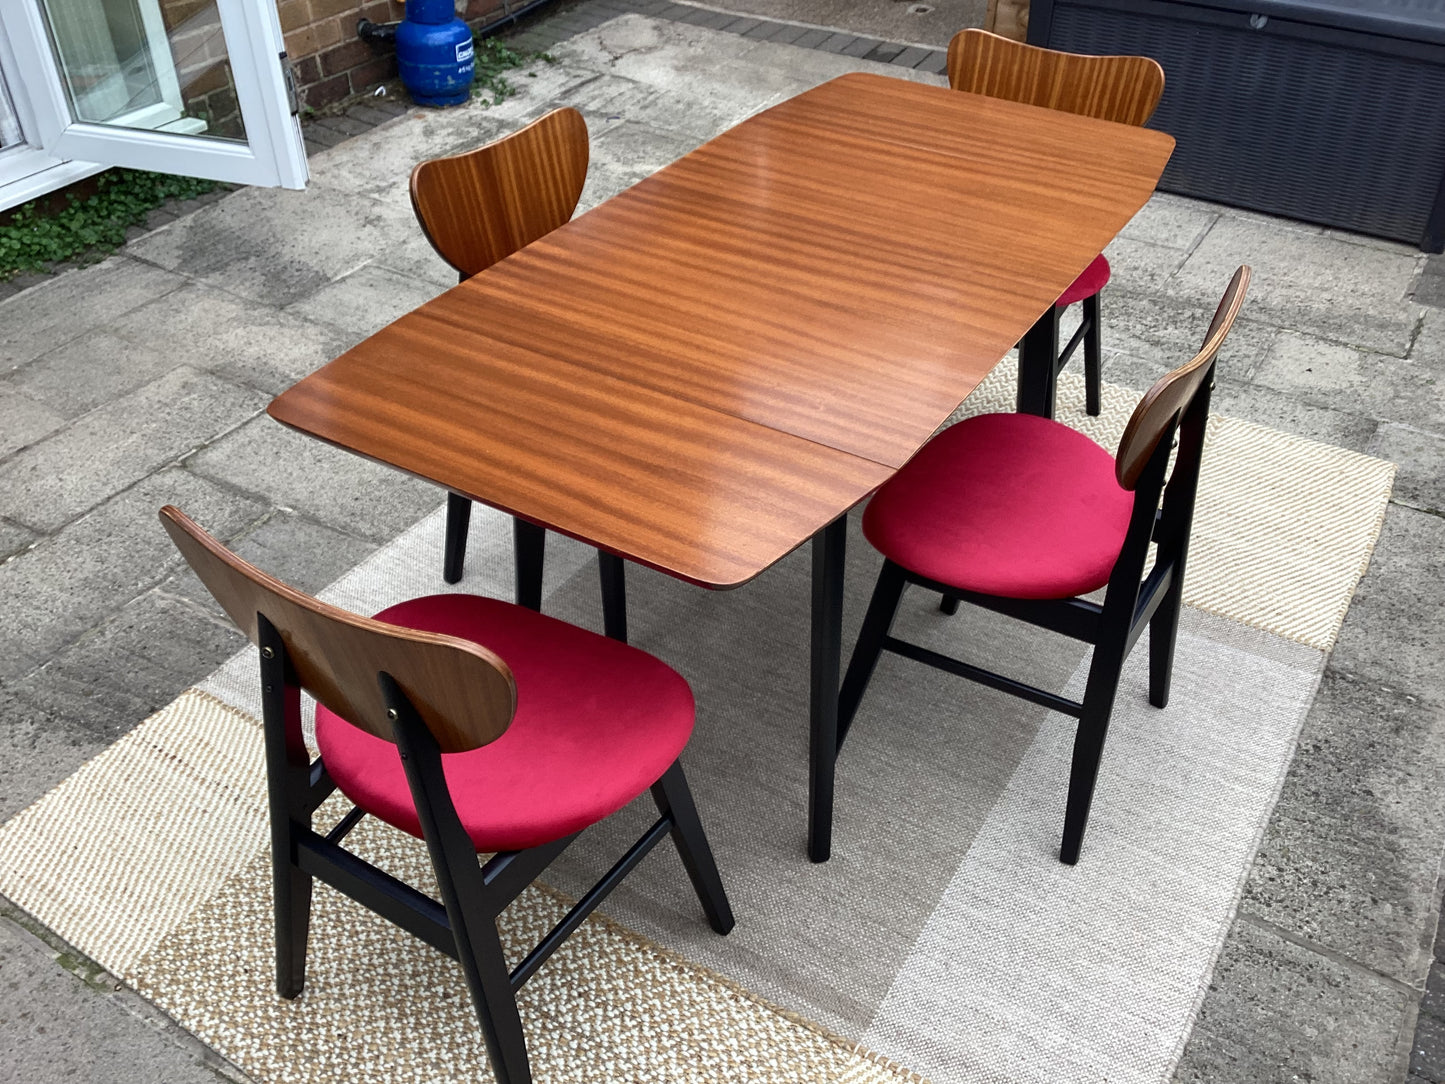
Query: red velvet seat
point(1093, 279)
point(1022, 516)
point(479, 726)
point(1005, 504)
point(597, 723)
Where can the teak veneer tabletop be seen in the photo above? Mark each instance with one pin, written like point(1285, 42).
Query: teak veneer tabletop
point(715, 366)
point(704, 371)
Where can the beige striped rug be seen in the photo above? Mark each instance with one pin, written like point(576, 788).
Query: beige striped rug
point(943, 941)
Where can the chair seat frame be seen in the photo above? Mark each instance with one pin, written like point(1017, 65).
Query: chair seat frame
point(463, 923)
point(1132, 602)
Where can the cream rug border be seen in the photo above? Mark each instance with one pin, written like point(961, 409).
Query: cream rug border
point(119, 903)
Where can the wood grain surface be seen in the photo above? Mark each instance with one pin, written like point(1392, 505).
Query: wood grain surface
point(481, 206)
point(705, 370)
point(1125, 89)
point(464, 693)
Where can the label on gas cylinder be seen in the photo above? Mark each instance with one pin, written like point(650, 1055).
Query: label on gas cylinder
point(464, 51)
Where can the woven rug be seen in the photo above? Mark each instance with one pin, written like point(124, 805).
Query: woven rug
point(943, 941)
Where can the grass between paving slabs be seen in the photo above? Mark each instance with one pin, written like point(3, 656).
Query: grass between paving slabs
point(37, 236)
point(494, 58)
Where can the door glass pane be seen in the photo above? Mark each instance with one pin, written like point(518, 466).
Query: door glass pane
point(159, 65)
point(10, 134)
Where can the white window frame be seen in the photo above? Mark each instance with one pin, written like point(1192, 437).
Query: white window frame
point(272, 155)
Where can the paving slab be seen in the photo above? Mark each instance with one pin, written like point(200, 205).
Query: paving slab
point(1266, 406)
point(1280, 1013)
point(52, 482)
point(1142, 265)
point(379, 162)
point(14, 538)
point(273, 245)
point(129, 667)
point(296, 550)
point(416, 259)
point(893, 21)
point(1349, 860)
point(1303, 279)
point(1172, 221)
point(286, 469)
point(26, 420)
point(625, 153)
point(68, 583)
point(365, 301)
point(611, 99)
point(241, 341)
point(67, 1023)
point(94, 369)
point(56, 311)
point(1428, 349)
point(1396, 623)
point(1420, 480)
point(1328, 374)
point(1167, 331)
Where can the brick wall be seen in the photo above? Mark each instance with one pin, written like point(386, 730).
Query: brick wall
point(331, 62)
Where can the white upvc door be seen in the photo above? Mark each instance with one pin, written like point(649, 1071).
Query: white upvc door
point(197, 87)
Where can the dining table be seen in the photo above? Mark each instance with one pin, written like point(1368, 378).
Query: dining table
point(712, 368)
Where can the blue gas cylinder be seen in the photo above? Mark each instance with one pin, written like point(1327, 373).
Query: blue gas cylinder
point(434, 53)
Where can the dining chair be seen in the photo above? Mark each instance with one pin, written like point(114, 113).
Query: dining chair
point(1123, 89)
point(1021, 515)
point(477, 208)
point(480, 726)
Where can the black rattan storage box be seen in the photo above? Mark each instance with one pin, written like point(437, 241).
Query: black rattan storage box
point(1322, 110)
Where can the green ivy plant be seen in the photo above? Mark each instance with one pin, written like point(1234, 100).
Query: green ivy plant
point(494, 58)
point(36, 237)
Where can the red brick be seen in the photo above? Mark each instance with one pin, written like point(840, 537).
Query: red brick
point(307, 71)
point(326, 9)
point(345, 56)
point(294, 14)
point(322, 94)
point(377, 70)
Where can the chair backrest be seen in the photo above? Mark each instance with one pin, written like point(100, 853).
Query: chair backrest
point(464, 693)
point(1172, 393)
point(481, 206)
point(1124, 89)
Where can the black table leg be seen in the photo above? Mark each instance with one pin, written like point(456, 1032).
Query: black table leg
point(1038, 365)
point(530, 542)
point(827, 645)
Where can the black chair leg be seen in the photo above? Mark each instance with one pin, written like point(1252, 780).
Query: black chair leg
point(876, 623)
point(1163, 632)
point(490, 984)
point(530, 542)
point(1093, 376)
point(1039, 365)
point(292, 898)
point(673, 796)
point(613, 573)
point(947, 604)
point(459, 517)
point(1089, 748)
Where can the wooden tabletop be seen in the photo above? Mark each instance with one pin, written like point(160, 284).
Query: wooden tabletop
point(702, 372)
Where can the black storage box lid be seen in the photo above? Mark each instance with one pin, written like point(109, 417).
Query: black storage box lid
point(1411, 20)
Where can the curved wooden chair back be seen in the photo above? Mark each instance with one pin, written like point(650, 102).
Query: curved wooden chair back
point(481, 206)
point(1125, 89)
point(1169, 398)
point(464, 693)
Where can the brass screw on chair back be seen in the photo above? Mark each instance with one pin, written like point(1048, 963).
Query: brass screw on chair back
point(480, 207)
point(1123, 89)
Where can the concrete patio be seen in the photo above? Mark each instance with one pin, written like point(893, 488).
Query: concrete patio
point(143, 381)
